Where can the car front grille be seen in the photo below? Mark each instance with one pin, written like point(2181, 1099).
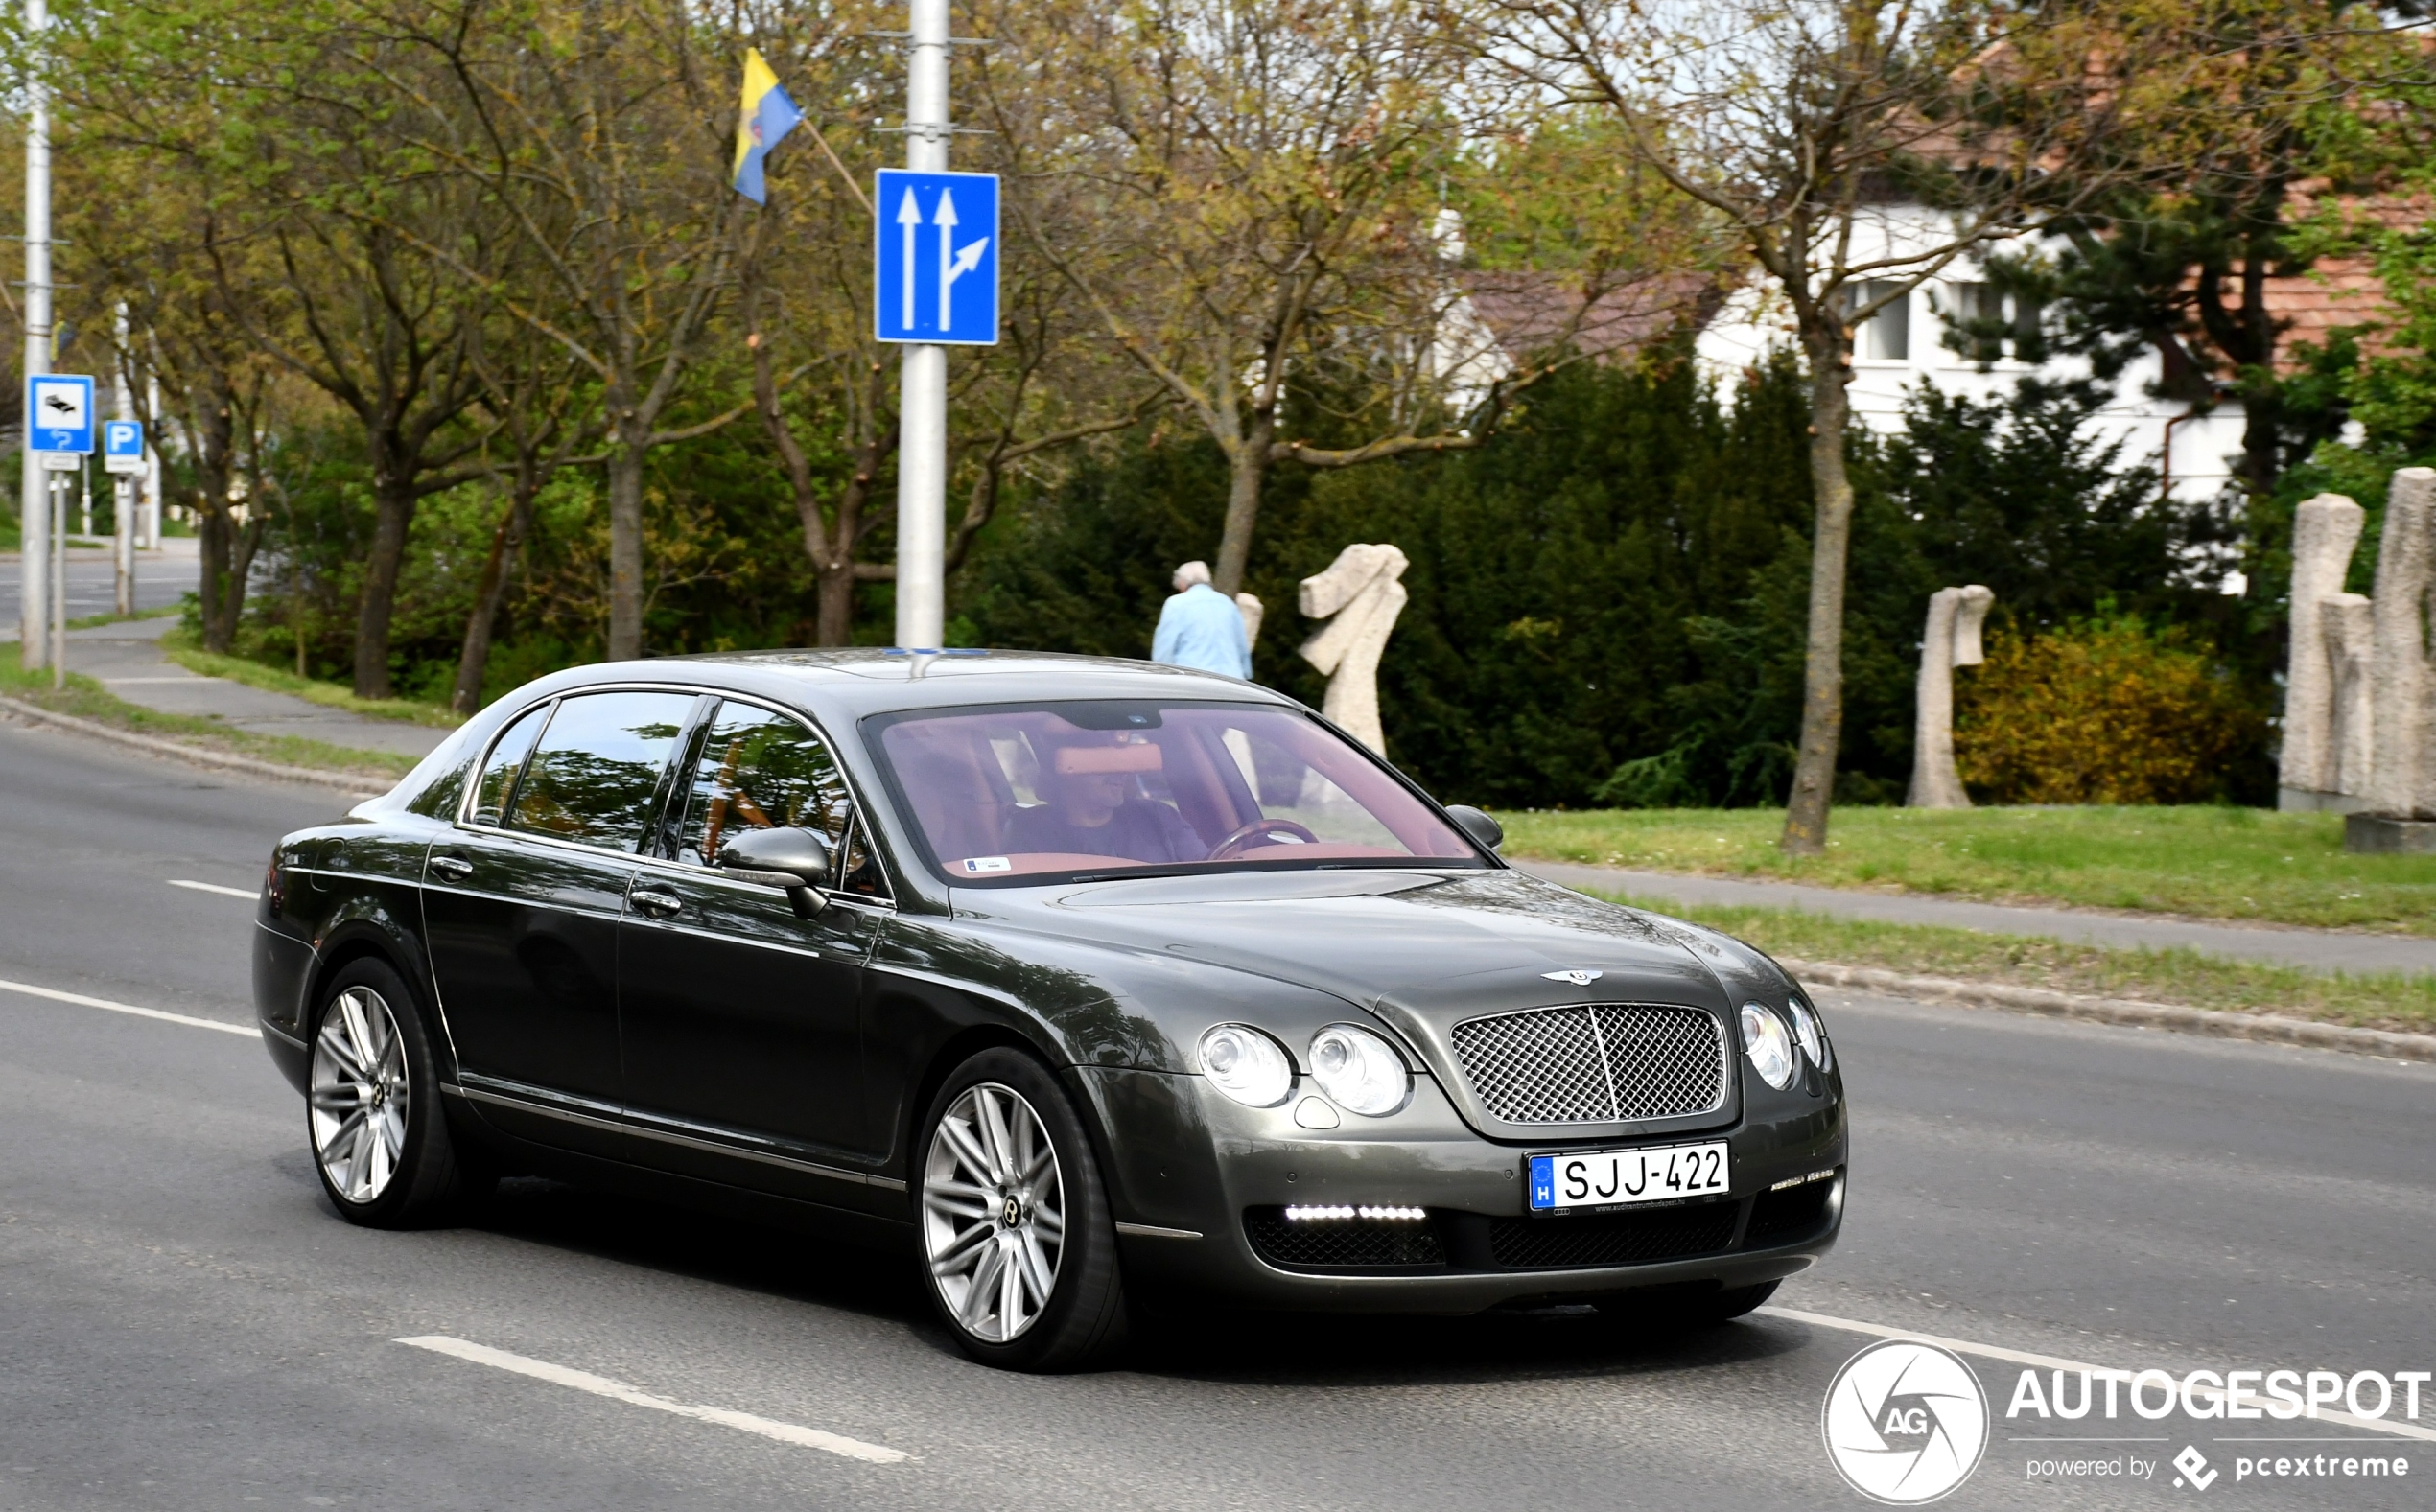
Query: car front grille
point(1594, 1065)
point(1340, 1244)
point(1613, 1239)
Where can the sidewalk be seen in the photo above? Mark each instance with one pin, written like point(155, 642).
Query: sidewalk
point(2313, 950)
point(127, 659)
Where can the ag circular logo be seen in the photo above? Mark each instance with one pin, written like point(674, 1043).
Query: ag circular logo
point(1905, 1422)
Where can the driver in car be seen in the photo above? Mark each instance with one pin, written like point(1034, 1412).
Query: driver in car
point(1096, 807)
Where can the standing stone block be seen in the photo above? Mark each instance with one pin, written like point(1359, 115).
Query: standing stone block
point(1951, 640)
point(2325, 531)
point(2402, 781)
point(2349, 623)
point(1360, 597)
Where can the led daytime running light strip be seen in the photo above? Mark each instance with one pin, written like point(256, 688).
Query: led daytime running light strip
point(1312, 1212)
point(1816, 1175)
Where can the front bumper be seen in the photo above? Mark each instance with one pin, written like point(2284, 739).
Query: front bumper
point(1201, 1183)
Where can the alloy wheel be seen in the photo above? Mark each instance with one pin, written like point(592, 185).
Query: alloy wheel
point(360, 1095)
point(992, 1212)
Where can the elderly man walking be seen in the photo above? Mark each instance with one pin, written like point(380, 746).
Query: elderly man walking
point(1202, 628)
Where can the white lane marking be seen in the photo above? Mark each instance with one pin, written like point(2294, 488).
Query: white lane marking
point(212, 887)
point(81, 1001)
point(2018, 1357)
point(619, 1391)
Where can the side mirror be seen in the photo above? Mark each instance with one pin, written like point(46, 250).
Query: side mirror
point(797, 860)
point(1486, 831)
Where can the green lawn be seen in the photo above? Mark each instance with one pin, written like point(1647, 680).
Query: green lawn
point(183, 651)
point(2216, 862)
point(2183, 977)
point(88, 699)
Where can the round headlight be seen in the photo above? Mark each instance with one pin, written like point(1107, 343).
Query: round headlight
point(1360, 1072)
point(1246, 1065)
point(1811, 1034)
point(1771, 1048)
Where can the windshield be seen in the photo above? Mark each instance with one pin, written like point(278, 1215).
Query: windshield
point(1109, 787)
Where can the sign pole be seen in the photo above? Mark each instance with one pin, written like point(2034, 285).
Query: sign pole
point(33, 497)
point(921, 450)
point(60, 586)
point(122, 486)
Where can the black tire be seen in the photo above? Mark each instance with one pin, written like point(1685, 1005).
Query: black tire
point(1083, 1321)
point(417, 1176)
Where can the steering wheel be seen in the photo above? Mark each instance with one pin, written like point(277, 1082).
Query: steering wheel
point(1236, 844)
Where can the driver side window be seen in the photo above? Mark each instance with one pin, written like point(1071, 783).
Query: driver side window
point(760, 770)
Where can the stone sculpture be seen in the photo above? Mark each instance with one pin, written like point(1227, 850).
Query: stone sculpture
point(2349, 632)
point(1951, 640)
point(2325, 530)
point(1360, 596)
point(2403, 778)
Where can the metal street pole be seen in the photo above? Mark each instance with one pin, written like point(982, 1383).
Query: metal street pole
point(151, 464)
point(122, 486)
point(921, 452)
point(34, 498)
point(60, 585)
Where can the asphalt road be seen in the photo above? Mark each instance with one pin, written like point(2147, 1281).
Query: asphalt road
point(183, 1323)
point(161, 579)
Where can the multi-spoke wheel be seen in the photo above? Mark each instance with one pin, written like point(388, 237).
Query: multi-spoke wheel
point(992, 1212)
point(360, 1096)
point(1021, 1253)
point(373, 1109)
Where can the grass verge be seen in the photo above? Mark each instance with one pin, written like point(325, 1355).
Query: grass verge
point(2207, 861)
point(330, 695)
point(88, 699)
point(2184, 977)
point(96, 622)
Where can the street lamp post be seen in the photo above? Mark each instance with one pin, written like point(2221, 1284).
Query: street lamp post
point(34, 498)
point(922, 454)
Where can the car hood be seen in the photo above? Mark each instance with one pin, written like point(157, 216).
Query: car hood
point(1422, 950)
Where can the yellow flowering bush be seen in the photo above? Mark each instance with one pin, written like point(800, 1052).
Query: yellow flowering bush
point(2098, 712)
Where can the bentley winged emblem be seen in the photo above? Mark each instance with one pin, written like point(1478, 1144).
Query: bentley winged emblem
point(1577, 976)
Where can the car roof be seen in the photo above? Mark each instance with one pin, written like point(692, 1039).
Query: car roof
point(853, 683)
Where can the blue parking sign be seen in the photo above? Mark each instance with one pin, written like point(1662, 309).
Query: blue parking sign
point(58, 410)
point(122, 438)
point(935, 258)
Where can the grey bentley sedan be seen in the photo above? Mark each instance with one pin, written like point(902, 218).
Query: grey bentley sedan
point(1077, 981)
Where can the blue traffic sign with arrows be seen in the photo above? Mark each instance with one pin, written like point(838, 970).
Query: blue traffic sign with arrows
point(936, 251)
point(58, 408)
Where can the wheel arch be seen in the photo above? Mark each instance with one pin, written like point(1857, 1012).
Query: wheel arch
point(361, 939)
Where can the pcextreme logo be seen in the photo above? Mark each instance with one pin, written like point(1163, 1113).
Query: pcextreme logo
point(1905, 1422)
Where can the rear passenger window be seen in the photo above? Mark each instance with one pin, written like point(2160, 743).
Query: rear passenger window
point(596, 769)
point(506, 760)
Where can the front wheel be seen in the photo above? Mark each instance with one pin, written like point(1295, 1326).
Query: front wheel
point(1018, 1245)
point(379, 1141)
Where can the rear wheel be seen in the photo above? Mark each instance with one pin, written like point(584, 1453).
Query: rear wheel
point(380, 1140)
point(1018, 1245)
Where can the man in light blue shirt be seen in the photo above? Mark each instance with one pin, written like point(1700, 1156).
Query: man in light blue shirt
point(1202, 628)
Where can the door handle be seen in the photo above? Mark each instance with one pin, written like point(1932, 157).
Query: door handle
point(659, 905)
point(457, 869)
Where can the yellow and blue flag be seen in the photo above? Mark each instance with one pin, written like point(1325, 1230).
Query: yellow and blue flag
point(767, 115)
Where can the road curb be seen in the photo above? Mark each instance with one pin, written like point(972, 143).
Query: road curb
point(353, 785)
point(2120, 1011)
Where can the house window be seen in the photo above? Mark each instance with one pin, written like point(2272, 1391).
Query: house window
point(1886, 336)
point(1985, 325)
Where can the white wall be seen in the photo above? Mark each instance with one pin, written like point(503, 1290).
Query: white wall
point(1897, 353)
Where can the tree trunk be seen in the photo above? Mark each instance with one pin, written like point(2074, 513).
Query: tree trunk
point(392, 512)
point(1246, 465)
point(474, 662)
point(626, 550)
point(221, 597)
point(836, 625)
point(1831, 544)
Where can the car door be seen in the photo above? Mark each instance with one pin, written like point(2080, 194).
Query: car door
point(522, 900)
point(741, 1021)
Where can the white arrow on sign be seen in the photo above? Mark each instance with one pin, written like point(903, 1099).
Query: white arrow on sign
point(954, 265)
point(909, 216)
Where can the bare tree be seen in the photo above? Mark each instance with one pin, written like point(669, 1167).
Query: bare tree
point(1240, 193)
point(1807, 126)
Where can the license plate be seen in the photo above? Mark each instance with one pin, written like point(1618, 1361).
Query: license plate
point(1616, 1178)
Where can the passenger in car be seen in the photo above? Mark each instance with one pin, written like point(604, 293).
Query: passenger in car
point(1095, 809)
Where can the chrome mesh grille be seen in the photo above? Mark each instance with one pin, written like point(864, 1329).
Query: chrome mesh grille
point(1594, 1065)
